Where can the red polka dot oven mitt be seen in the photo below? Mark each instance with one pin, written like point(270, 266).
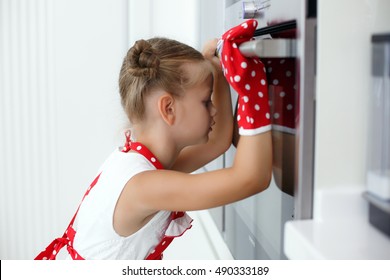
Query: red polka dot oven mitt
point(247, 76)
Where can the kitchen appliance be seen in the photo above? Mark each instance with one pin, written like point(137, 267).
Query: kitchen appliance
point(378, 166)
point(285, 41)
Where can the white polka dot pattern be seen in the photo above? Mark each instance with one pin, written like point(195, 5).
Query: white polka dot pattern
point(248, 77)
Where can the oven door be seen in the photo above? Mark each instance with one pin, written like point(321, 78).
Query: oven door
point(285, 42)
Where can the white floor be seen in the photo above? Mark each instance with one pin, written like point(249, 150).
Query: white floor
point(202, 242)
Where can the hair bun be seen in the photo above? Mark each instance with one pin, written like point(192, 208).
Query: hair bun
point(143, 62)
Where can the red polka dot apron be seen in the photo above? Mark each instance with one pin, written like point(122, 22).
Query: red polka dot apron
point(179, 221)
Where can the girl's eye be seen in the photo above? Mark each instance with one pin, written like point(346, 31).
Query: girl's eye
point(208, 102)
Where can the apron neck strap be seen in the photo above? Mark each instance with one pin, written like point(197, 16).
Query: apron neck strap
point(141, 149)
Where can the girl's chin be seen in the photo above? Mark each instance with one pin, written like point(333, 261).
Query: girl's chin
point(205, 139)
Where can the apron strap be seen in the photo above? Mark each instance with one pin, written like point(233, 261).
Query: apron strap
point(51, 251)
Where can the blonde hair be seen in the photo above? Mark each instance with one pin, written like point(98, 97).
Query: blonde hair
point(157, 63)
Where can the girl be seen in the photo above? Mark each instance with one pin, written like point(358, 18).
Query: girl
point(179, 105)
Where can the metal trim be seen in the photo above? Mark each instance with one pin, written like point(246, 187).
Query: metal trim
point(269, 48)
point(304, 186)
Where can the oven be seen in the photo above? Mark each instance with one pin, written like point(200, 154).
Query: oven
point(285, 41)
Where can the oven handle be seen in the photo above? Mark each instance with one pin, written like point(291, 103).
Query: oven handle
point(269, 48)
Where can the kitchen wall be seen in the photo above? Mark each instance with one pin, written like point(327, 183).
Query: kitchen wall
point(192, 21)
point(343, 88)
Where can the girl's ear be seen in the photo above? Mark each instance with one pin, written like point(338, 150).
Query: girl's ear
point(166, 107)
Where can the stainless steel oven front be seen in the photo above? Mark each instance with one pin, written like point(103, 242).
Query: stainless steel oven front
point(285, 41)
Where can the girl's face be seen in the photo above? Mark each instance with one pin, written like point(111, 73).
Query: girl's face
point(196, 113)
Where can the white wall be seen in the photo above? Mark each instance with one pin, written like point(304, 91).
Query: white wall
point(174, 19)
point(343, 88)
point(192, 21)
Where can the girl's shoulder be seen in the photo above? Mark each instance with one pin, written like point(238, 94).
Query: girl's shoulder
point(128, 164)
point(129, 158)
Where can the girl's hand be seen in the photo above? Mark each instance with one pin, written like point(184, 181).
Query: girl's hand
point(209, 53)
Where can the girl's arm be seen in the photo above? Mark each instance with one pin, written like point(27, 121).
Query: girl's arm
point(177, 191)
point(220, 138)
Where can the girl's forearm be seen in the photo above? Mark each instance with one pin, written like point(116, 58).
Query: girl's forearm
point(254, 160)
point(221, 136)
